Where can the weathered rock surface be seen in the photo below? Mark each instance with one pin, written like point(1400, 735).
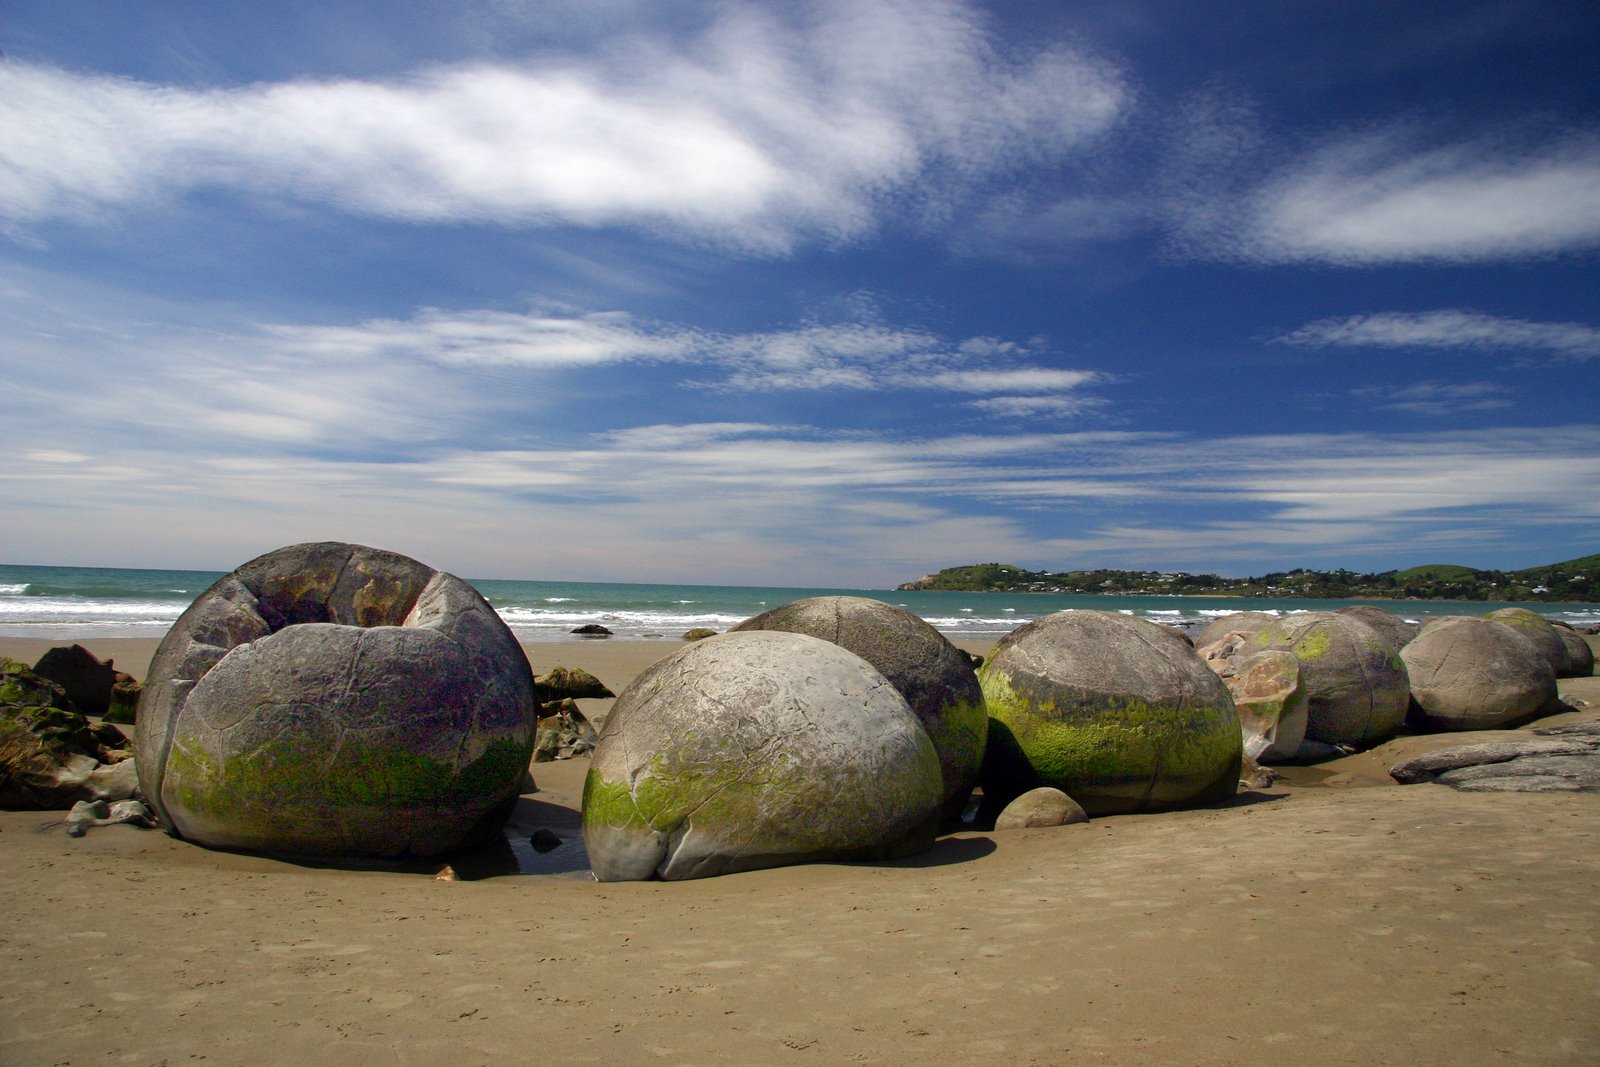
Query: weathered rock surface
point(1580, 657)
point(1244, 622)
point(1272, 702)
point(1395, 631)
point(337, 701)
point(757, 749)
point(1114, 711)
point(1357, 685)
point(1471, 673)
point(1537, 628)
point(1435, 765)
point(1044, 806)
point(936, 678)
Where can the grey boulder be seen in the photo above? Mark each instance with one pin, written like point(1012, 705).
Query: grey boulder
point(1475, 674)
point(757, 749)
point(332, 700)
point(936, 678)
point(1356, 682)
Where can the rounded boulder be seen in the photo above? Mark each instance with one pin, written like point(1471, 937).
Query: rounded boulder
point(936, 678)
point(1395, 631)
point(1119, 713)
point(1580, 657)
point(1475, 674)
point(1355, 682)
point(333, 700)
point(1244, 622)
point(757, 749)
point(1545, 636)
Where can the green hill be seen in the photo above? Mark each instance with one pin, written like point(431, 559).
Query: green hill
point(1572, 580)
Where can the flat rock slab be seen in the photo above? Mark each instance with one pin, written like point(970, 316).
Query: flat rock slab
point(1566, 763)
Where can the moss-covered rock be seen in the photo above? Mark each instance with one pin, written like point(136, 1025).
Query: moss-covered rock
point(1118, 713)
point(752, 750)
point(936, 678)
point(1355, 681)
point(336, 701)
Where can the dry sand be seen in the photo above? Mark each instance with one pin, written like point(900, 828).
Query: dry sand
point(1358, 924)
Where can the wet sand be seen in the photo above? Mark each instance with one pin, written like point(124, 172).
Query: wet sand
point(1335, 920)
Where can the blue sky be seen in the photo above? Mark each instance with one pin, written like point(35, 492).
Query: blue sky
point(827, 293)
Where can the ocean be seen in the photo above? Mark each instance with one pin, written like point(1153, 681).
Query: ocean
point(89, 602)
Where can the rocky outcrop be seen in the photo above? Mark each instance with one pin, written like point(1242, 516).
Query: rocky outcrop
point(1557, 760)
point(51, 755)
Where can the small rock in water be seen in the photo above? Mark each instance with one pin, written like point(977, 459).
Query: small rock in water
point(545, 839)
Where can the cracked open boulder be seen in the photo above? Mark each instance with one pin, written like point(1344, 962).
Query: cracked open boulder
point(757, 749)
point(332, 700)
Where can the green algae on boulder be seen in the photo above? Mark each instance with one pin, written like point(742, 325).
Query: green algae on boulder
point(935, 677)
point(1118, 713)
point(757, 749)
point(1355, 680)
point(1470, 673)
point(332, 700)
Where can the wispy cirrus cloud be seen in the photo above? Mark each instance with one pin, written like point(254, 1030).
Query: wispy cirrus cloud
point(769, 128)
point(1449, 329)
point(820, 356)
point(1438, 399)
point(1381, 198)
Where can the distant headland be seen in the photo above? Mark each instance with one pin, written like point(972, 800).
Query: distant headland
point(1573, 580)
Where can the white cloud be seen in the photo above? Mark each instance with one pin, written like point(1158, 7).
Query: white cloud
point(1439, 399)
point(1379, 198)
point(1022, 380)
point(834, 356)
point(762, 132)
point(1449, 329)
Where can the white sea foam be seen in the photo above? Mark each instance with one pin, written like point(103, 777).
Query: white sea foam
point(13, 589)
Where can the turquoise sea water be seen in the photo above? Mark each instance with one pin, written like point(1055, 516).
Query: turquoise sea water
point(87, 602)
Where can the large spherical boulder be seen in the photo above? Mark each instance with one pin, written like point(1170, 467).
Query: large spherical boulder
point(1395, 631)
point(1243, 622)
point(336, 701)
point(1538, 629)
point(757, 749)
point(1357, 686)
point(1118, 713)
point(1580, 657)
point(1475, 674)
point(934, 676)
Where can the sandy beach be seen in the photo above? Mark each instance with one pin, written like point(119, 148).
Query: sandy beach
point(1335, 918)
